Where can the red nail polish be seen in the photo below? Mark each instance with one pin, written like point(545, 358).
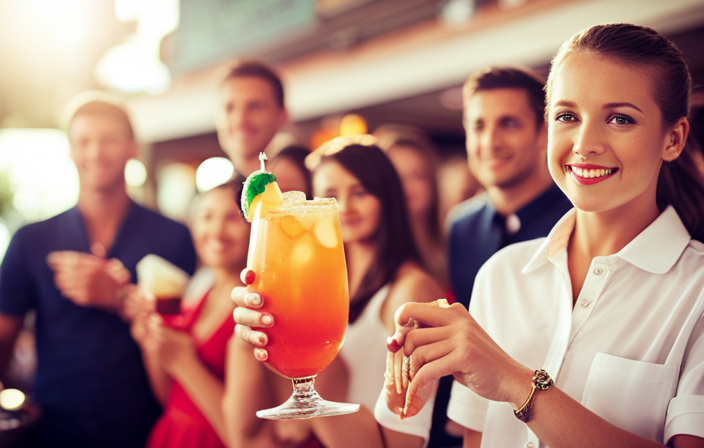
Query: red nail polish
point(393, 346)
point(247, 276)
point(263, 355)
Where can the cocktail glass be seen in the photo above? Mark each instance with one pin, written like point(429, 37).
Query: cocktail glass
point(297, 257)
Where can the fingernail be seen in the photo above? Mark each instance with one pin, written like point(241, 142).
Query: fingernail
point(262, 339)
point(267, 319)
point(392, 344)
point(247, 276)
point(404, 413)
point(261, 354)
point(252, 299)
point(412, 323)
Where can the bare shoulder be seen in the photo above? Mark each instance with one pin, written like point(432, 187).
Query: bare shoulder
point(415, 285)
point(411, 284)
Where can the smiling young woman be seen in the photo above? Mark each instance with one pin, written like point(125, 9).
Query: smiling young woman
point(610, 303)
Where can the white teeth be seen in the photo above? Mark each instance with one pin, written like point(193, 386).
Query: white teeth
point(590, 174)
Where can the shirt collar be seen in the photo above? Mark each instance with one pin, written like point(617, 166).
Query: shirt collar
point(78, 223)
point(656, 249)
point(555, 242)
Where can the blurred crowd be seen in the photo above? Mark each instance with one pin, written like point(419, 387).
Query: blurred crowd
point(417, 225)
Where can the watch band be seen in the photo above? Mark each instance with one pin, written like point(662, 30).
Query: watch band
point(541, 381)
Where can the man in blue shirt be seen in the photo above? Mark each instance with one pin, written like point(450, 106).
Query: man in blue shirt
point(74, 270)
point(506, 141)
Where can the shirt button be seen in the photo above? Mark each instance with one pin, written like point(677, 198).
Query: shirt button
point(585, 303)
point(598, 271)
point(513, 224)
point(530, 445)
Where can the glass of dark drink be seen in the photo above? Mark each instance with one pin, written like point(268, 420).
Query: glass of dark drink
point(164, 281)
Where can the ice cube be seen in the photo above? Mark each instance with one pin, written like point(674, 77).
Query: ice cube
point(291, 226)
point(302, 252)
point(308, 220)
point(294, 197)
point(325, 232)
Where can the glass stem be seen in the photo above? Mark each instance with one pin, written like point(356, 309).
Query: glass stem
point(306, 403)
point(303, 388)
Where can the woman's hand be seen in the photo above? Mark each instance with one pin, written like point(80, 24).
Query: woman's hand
point(396, 381)
point(400, 372)
point(248, 318)
point(450, 342)
point(170, 346)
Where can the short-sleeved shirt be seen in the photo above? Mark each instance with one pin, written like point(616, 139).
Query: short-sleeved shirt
point(478, 231)
point(631, 349)
point(90, 381)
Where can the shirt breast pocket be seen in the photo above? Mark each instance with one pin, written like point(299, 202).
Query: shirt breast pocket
point(633, 395)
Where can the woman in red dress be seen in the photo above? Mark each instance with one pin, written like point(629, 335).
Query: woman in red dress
point(185, 357)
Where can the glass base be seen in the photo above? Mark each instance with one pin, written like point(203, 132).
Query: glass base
point(306, 403)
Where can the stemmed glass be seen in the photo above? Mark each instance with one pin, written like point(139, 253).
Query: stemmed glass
point(298, 261)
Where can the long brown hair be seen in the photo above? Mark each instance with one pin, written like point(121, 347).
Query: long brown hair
point(393, 238)
point(679, 183)
point(390, 136)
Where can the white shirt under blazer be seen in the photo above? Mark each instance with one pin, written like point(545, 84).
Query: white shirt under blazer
point(631, 349)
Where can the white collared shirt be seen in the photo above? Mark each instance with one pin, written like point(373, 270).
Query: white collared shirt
point(631, 349)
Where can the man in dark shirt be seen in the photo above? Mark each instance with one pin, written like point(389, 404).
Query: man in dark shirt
point(506, 141)
point(73, 270)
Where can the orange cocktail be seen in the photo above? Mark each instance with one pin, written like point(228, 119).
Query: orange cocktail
point(297, 255)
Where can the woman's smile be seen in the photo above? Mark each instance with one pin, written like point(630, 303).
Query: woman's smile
point(590, 174)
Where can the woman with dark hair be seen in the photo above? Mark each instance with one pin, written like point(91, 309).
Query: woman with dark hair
point(289, 167)
point(611, 303)
point(416, 160)
point(378, 226)
point(383, 272)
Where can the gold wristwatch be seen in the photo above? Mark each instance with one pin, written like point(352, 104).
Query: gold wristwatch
point(541, 381)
